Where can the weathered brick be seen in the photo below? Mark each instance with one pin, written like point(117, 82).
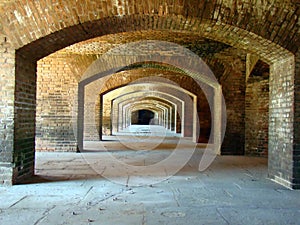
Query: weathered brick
point(35, 29)
point(257, 113)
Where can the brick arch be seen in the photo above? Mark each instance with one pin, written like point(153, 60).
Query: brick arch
point(155, 105)
point(160, 100)
point(278, 73)
point(115, 61)
point(185, 115)
point(267, 50)
point(274, 48)
point(133, 75)
point(38, 19)
point(157, 96)
point(171, 99)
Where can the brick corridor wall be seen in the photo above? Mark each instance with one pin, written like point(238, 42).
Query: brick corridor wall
point(106, 119)
point(257, 117)
point(56, 93)
point(181, 80)
point(233, 87)
point(204, 113)
point(91, 105)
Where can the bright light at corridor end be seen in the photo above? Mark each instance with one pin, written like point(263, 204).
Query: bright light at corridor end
point(150, 136)
point(179, 57)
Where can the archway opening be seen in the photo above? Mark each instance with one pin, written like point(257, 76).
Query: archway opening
point(275, 66)
point(142, 117)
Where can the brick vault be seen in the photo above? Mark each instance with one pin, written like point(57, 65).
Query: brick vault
point(47, 50)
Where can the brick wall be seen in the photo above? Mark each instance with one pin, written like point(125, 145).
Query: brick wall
point(91, 119)
point(232, 81)
point(257, 116)
point(56, 112)
point(7, 87)
point(296, 152)
point(268, 29)
point(281, 121)
point(24, 117)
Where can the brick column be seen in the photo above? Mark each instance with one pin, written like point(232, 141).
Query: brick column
point(18, 104)
point(24, 117)
point(7, 88)
point(296, 150)
point(101, 118)
point(282, 122)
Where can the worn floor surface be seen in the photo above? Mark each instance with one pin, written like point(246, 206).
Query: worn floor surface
point(82, 188)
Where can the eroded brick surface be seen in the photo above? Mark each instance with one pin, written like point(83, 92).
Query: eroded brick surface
point(257, 112)
point(7, 86)
point(56, 107)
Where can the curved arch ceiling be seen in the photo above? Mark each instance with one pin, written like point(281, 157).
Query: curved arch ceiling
point(268, 29)
point(215, 24)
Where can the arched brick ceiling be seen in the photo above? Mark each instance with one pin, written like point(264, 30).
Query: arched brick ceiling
point(132, 76)
point(261, 69)
point(79, 56)
point(45, 26)
point(151, 98)
point(141, 103)
point(82, 54)
point(229, 35)
point(100, 45)
point(274, 20)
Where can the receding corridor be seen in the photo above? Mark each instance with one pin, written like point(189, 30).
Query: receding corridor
point(149, 112)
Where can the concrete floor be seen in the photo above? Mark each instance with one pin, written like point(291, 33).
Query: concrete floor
point(68, 189)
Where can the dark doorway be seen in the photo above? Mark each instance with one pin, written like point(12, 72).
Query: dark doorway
point(142, 117)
